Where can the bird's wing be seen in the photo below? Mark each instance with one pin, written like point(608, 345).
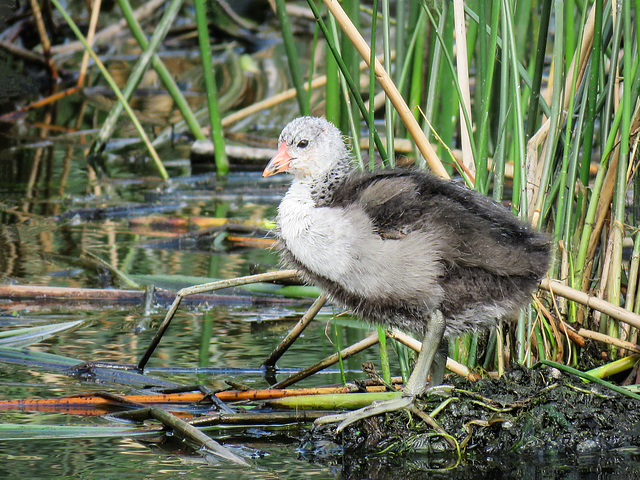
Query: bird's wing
point(473, 231)
point(391, 202)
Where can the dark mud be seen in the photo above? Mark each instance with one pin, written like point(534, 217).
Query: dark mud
point(504, 428)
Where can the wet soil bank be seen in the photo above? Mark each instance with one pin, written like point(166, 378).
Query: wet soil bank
point(503, 424)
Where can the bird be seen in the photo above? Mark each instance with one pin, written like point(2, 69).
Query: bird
point(401, 248)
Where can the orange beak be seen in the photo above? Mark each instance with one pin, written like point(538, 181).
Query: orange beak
point(279, 162)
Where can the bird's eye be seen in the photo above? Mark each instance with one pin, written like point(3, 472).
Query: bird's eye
point(303, 143)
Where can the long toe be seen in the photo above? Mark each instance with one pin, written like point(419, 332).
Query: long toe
point(376, 408)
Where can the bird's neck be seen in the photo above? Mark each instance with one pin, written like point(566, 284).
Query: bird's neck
point(322, 189)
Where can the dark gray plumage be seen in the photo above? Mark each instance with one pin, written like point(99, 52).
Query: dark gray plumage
point(400, 246)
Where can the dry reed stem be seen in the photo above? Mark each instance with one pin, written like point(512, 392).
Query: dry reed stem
point(108, 33)
point(44, 40)
point(554, 326)
point(601, 337)
point(604, 275)
point(619, 313)
point(463, 80)
point(93, 22)
point(207, 287)
point(602, 212)
point(388, 86)
point(186, 430)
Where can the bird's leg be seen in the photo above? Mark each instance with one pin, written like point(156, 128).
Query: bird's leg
point(436, 374)
point(415, 386)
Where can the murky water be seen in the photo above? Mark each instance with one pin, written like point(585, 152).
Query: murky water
point(45, 245)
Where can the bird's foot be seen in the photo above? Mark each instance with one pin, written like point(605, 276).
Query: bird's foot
point(376, 408)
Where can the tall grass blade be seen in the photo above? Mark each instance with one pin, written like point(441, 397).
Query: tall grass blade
point(217, 134)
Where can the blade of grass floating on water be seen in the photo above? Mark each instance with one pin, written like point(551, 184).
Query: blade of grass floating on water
point(103, 374)
point(22, 337)
point(292, 56)
point(107, 76)
point(40, 359)
point(217, 134)
point(25, 431)
point(163, 73)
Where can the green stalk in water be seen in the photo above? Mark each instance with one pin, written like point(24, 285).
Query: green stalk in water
point(222, 163)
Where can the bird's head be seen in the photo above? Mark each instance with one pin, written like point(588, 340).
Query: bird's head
point(308, 148)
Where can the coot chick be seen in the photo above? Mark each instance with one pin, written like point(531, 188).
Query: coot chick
point(401, 248)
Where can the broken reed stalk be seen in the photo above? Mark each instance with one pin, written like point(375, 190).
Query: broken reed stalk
point(330, 360)
point(608, 308)
point(208, 287)
point(295, 332)
point(191, 433)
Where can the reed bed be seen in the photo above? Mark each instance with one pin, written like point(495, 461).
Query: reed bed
point(541, 99)
point(534, 103)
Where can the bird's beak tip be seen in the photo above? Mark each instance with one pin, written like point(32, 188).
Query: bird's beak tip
point(279, 163)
